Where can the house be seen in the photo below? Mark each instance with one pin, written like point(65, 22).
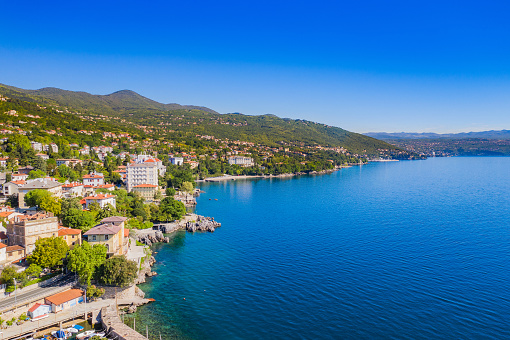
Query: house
point(25, 230)
point(37, 146)
point(65, 300)
point(147, 191)
point(11, 188)
point(71, 236)
point(43, 156)
point(3, 238)
point(94, 179)
point(25, 170)
point(3, 161)
point(102, 199)
point(48, 184)
point(111, 234)
point(143, 173)
point(3, 253)
point(109, 187)
point(15, 253)
point(176, 160)
point(38, 311)
point(73, 189)
point(69, 162)
point(19, 177)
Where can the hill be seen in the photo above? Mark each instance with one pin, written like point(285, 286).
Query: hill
point(492, 134)
point(175, 121)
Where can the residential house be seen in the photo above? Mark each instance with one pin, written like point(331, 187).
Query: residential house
point(147, 191)
point(3, 161)
point(37, 146)
point(71, 236)
point(3, 253)
point(43, 156)
point(69, 162)
point(242, 161)
point(25, 230)
point(65, 300)
point(111, 234)
point(177, 160)
point(109, 187)
point(25, 170)
point(102, 199)
point(94, 179)
point(15, 253)
point(73, 189)
point(38, 311)
point(19, 177)
point(49, 184)
point(11, 188)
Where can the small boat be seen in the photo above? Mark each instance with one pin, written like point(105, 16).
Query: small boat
point(85, 335)
point(72, 330)
point(78, 327)
point(215, 199)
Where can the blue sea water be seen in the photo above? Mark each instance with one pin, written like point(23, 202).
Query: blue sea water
point(396, 250)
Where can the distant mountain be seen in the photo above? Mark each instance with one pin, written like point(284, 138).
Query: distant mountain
point(174, 120)
point(111, 103)
point(493, 134)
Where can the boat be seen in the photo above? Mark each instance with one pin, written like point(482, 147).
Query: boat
point(86, 335)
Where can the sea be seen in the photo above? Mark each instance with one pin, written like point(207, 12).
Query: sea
point(390, 250)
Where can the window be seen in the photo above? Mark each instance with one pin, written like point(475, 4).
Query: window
point(94, 238)
point(106, 237)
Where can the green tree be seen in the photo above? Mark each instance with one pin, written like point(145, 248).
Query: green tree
point(33, 270)
point(77, 218)
point(49, 252)
point(51, 204)
point(85, 260)
point(187, 187)
point(118, 271)
point(9, 274)
point(93, 292)
point(170, 191)
point(172, 209)
point(36, 174)
point(34, 198)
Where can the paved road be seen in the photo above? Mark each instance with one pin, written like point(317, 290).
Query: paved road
point(12, 302)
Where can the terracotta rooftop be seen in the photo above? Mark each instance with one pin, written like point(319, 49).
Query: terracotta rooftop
point(72, 185)
point(145, 186)
point(68, 231)
point(104, 186)
point(104, 229)
point(14, 248)
point(68, 295)
point(22, 182)
point(112, 219)
point(34, 307)
point(5, 246)
point(126, 232)
point(99, 197)
point(93, 176)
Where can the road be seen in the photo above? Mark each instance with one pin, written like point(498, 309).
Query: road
point(10, 303)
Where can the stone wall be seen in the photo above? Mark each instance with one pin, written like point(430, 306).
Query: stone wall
point(116, 329)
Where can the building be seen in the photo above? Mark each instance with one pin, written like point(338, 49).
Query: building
point(48, 184)
point(25, 230)
point(147, 191)
point(19, 177)
point(177, 160)
point(37, 146)
point(38, 311)
point(94, 179)
point(65, 300)
point(102, 199)
point(110, 233)
point(71, 236)
point(43, 156)
point(15, 254)
point(3, 253)
point(143, 173)
point(73, 189)
point(12, 187)
point(25, 170)
point(242, 161)
point(109, 187)
point(69, 162)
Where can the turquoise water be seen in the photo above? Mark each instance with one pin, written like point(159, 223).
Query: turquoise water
point(398, 250)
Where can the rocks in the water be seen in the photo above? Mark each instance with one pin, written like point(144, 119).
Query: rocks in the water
point(132, 309)
point(202, 224)
point(154, 236)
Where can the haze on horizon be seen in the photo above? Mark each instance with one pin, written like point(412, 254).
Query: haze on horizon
point(367, 67)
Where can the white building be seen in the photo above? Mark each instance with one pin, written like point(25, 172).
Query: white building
point(177, 160)
point(143, 173)
point(37, 146)
point(242, 161)
point(94, 179)
point(73, 189)
point(102, 199)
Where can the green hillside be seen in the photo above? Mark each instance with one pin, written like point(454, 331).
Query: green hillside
point(174, 121)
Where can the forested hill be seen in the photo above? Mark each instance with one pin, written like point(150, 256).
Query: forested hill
point(177, 121)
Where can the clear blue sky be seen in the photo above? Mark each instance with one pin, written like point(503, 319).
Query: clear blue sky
point(440, 66)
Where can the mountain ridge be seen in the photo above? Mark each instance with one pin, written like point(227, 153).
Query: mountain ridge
point(489, 134)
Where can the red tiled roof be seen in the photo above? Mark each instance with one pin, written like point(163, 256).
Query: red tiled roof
point(68, 295)
point(145, 186)
point(34, 307)
point(4, 245)
point(14, 248)
point(6, 213)
point(21, 182)
point(72, 185)
point(104, 186)
point(99, 197)
point(93, 176)
point(68, 231)
point(126, 232)
point(149, 160)
point(104, 229)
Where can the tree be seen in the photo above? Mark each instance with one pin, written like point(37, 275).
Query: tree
point(9, 274)
point(118, 271)
point(187, 187)
point(93, 292)
point(77, 218)
point(49, 252)
point(107, 211)
point(36, 174)
point(170, 191)
point(33, 198)
point(172, 209)
point(51, 204)
point(85, 260)
point(33, 270)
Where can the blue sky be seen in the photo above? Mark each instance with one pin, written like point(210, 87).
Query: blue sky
point(433, 66)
